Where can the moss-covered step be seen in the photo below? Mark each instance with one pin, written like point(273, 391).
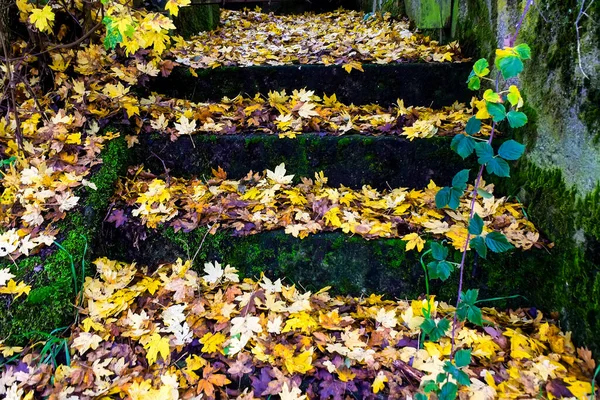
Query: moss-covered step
point(349, 160)
point(350, 264)
point(419, 84)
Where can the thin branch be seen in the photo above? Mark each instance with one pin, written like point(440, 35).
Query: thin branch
point(11, 89)
point(582, 12)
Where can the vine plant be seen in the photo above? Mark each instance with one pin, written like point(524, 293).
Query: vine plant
point(495, 106)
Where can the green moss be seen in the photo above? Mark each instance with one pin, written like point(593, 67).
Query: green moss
point(114, 162)
point(53, 278)
point(197, 18)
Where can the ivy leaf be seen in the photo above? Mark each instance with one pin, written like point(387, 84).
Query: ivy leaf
point(421, 396)
point(510, 66)
point(497, 242)
point(448, 392)
point(439, 270)
point(463, 145)
point(523, 51)
point(498, 167)
point(481, 67)
point(478, 244)
point(484, 151)
point(434, 330)
point(438, 251)
point(462, 358)
point(476, 225)
point(460, 179)
point(473, 125)
point(511, 150)
point(516, 119)
point(497, 111)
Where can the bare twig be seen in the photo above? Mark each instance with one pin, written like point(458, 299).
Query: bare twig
point(582, 12)
point(11, 89)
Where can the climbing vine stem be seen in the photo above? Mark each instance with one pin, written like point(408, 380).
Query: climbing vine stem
point(494, 107)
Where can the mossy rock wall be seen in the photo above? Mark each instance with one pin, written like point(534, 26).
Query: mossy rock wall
point(194, 19)
point(559, 178)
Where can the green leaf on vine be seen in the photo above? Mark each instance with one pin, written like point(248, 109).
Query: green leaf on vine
point(498, 167)
point(435, 330)
point(511, 150)
point(497, 111)
point(484, 151)
point(473, 126)
point(439, 270)
point(481, 67)
point(467, 310)
point(438, 251)
point(463, 145)
point(476, 225)
point(523, 50)
point(497, 242)
point(516, 119)
point(448, 392)
point(462, 358)
point(510, 66)
point(478, 244)
point(460, 179)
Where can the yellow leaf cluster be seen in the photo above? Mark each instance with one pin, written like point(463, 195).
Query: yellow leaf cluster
point(270, 200)
point(353, 346)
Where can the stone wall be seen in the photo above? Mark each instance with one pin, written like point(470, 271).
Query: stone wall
point(558, 181)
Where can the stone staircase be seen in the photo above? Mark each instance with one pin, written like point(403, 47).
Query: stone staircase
point(348, 263)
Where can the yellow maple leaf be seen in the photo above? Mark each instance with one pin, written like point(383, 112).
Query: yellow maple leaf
point(414, 241)
point(157, 345)
point(348, 67)
point(379, 382)
point(332, 217)
point(172, 6)
point(43, 18)
point(13, 287)
point(301, 363)
point(212, 342)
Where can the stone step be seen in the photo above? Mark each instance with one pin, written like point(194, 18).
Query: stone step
point(349, 160)
point(350, 264)
point(419, 84)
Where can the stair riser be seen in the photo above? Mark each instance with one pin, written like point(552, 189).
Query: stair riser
point(352, 160)
point(418, 84)
point(351, 265)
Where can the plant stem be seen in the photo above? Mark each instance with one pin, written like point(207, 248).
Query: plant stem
point(474, 193)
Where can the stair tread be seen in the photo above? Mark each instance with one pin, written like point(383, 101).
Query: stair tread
point(341, 37)
point(270, 200)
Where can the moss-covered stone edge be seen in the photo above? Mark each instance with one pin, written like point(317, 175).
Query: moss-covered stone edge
point(50, 304)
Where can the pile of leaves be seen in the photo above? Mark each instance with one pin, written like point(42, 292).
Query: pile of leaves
point(174, 334)
point(50, 146)
point(342, 37)
point(270, 200)
point(300, 112)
